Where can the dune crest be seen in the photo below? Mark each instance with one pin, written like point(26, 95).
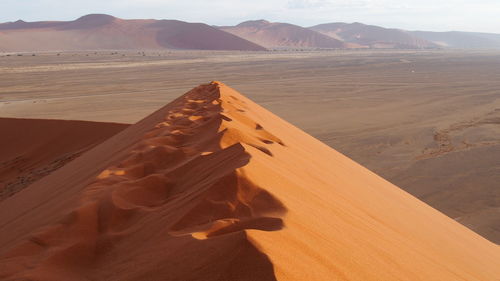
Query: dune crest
point(283, 35)
point(214, 187)
point(190, 162)
point(105, 32)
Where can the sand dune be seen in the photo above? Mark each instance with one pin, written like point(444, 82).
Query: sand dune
point(105, 32)
point(33, 148)
point(430, 149)
point(282, 35)
point(97, 32)
point(373, 36)
point(214, 187)
point(462, 40)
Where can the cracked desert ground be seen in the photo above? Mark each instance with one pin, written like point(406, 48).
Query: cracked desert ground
point(428, 121)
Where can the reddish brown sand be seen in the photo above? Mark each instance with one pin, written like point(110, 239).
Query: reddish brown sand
point(283, 35)
point(97, 32)
point(33, 148)
point(214, 187)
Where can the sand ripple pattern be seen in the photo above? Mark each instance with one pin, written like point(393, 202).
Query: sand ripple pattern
point(183, 180)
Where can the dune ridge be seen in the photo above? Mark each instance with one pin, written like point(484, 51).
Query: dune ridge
point(283, 35)
point(214, 187)
point(170, 168)
point(105, 32)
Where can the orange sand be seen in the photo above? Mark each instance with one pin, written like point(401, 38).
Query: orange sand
point(214, 187)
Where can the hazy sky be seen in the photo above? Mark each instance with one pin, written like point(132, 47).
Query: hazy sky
point(466, 15)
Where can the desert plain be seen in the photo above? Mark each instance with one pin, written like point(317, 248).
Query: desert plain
point(426, 120)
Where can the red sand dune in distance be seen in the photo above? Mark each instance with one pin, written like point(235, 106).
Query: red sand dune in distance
point(96, 31)
point(282, 35)
point(180, 35)
point(33, 148)
point(214, 187)
point(373, 36)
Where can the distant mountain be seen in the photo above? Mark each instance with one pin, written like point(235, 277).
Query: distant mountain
point(94, 32)
point(282, 35)
point(20, 24)
point(463, 40)
point(105, 32)
point(371, 36)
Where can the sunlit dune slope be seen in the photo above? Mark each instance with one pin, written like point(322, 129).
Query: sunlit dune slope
point(214, 187)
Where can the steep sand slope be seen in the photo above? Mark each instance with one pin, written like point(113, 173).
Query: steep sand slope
point(214, 187)
point(282, 35)
point(96, 31)
point(33, 148)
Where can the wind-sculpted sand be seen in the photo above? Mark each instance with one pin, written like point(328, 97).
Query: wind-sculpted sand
point(425, 120)
point(214, 187)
